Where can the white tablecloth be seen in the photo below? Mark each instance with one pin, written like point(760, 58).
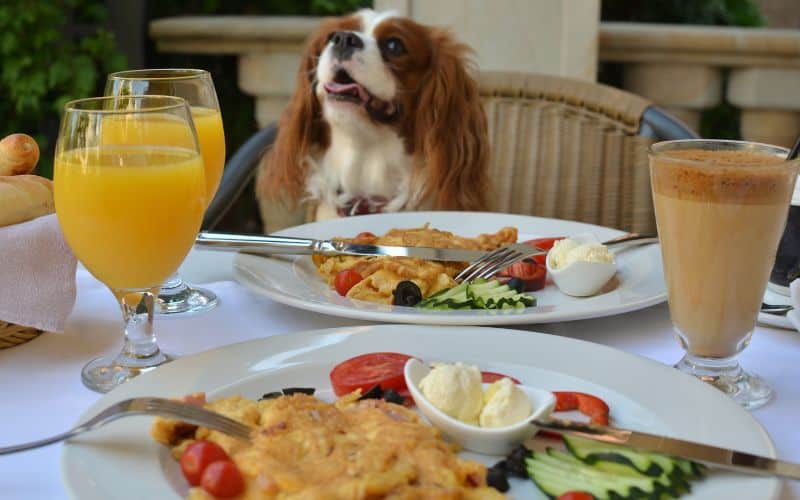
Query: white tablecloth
point(41, 391)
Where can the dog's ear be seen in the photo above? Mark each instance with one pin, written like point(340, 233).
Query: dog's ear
point(301, 128)
point(451, 137)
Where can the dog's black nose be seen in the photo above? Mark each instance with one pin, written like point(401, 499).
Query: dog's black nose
point(345, 43)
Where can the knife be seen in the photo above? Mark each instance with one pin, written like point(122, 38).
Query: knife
point(268, 245)
point(724, 458)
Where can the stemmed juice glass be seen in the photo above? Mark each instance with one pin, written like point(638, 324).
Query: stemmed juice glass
point(197, 88)
point(130, 208)
point(720, 207)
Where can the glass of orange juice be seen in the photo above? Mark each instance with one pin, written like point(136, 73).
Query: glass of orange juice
point(197, 88)
point(130, 209)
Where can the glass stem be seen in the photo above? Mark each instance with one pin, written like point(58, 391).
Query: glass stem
point(173, 285)
point(140, 348)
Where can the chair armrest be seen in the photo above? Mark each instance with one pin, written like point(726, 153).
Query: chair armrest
point(662, 126)
point(238, 172)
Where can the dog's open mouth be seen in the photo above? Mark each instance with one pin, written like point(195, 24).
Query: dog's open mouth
point(344, 88)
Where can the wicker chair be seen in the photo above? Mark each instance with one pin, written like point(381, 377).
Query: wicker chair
point(572, 150)
point(560, 148)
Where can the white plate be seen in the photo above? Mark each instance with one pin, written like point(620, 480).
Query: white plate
point(121, 461)
point(778, 320)
point(295, 282)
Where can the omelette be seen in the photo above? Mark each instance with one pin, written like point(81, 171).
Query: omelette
point(382, 274)
point(304, 448)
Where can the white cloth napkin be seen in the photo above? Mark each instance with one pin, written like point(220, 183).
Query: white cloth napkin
point(37, 274)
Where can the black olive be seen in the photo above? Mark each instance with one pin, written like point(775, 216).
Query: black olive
point(497, 478)
point(407, 293)
point(515, 462)
point(374, 393)
point(301, 390)
point(392, 396)
point(271, 395)
point(516, 284)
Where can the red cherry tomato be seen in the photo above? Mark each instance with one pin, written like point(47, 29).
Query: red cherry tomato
point(365, 235)
point(544, 244)
point(489, 377)
point(345, 280)
point(223, 479)
point(576, 495)
point(368, 370)
point(197, 456)
point(534, 275)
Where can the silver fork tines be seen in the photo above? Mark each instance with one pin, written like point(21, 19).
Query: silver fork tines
point(497, 260)
point(147, 406)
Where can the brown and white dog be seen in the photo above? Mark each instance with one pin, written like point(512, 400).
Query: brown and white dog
point(385, 117)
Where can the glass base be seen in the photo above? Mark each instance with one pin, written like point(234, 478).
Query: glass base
point(750, 391)
point(106, 373)
point(176, 297)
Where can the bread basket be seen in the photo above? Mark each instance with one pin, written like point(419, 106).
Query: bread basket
point(11, 334)
point(26, 197)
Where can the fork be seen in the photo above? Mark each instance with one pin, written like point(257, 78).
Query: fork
point(146, 406)
point(495, 261)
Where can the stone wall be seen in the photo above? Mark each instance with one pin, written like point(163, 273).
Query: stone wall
point(678, 67)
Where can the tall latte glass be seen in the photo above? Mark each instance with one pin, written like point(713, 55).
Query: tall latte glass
point(720, 209)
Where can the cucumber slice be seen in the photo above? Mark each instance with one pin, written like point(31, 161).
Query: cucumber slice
point(480, 294)
point(555, 476)
point(460, 301)
point(650, 464)
point(663, 483)
point(450, 292)
point(484, 287)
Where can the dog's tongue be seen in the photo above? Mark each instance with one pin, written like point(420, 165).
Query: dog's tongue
point(347, 88)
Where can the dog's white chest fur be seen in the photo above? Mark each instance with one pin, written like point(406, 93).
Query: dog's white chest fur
point(361, 161)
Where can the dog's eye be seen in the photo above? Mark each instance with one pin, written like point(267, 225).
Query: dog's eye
point(394, 47)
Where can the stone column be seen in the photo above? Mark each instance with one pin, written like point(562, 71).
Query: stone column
point(769, 101)
point(682, 89)
point(269, 77)
point(536, 36)
point(268, 48)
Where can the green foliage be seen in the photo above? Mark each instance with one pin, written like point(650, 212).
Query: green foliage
point(709, 12)
point(43, 64)
point(262, 7)
point(722, 121)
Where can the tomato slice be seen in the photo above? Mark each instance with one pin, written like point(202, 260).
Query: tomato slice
point(489, 377)
point(534, 275)
point(544, 243)
point(197, 457)
point(345, 280)
point(368, 370)
point(223, 479)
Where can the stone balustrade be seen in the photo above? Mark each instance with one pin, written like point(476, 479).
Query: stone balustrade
point(681, 68)
point(684, 69)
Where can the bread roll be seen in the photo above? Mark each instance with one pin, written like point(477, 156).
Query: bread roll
point(19, 154)
point(24, 197)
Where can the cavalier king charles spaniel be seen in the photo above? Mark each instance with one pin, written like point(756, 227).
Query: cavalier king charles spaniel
point(385, 117)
